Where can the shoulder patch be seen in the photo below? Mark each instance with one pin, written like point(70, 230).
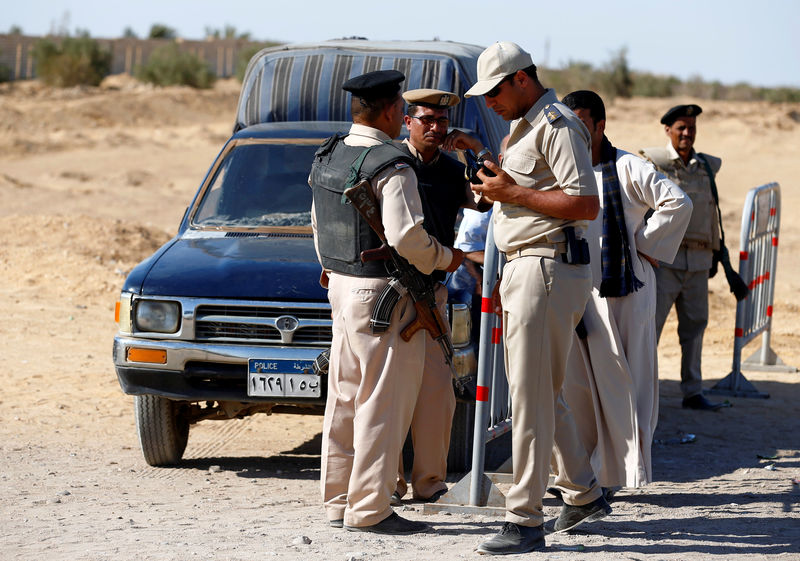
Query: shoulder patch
point(552, 114)
point(400, 165)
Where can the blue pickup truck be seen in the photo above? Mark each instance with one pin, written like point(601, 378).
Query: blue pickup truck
point(226, 319)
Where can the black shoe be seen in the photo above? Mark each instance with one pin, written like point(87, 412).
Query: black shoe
point(435, 497)
point(556, 492)
point(396, 499)
point(514, 538)
point(698, 401)
point(571, 516)
point(393, 525)
point(609, 492)
point(338, 523)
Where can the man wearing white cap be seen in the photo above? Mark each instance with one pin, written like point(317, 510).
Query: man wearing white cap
point(544, 195)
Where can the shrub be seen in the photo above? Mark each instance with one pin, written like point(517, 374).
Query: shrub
point(71, 61)
point(651, 85)
point(169, 66)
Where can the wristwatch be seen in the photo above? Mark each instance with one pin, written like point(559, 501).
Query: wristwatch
point(482, 154)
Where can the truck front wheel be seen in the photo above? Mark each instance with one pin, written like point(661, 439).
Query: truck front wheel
point(163, 429)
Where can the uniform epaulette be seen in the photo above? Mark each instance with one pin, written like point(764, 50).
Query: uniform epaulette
point(659, 156)
point(551, 113)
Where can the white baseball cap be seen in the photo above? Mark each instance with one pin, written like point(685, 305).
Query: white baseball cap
point(495, 63)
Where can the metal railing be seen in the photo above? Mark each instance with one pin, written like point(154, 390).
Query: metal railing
point(492, 403)
point(758, 257)
point(477, 491)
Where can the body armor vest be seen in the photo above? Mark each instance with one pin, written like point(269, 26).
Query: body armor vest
point(442, 188)
point(442, 191)
point(342, 234)
point(703, 230)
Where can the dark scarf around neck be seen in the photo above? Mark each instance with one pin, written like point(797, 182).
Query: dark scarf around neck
point(618, 278)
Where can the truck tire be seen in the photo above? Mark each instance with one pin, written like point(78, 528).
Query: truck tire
point(163, 429)
point(459, 457)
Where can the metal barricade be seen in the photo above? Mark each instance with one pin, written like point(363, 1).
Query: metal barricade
point(758, 259)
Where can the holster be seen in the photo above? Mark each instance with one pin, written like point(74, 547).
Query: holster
point(577, 248)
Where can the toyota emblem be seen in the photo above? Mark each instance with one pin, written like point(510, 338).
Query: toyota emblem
point(286, 324)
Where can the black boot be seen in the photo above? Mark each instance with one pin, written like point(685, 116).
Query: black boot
point(571, 516)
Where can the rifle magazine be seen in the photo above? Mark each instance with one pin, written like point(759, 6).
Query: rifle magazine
point(382, 312)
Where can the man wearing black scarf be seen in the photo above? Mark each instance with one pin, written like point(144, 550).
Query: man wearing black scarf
point(611, 384)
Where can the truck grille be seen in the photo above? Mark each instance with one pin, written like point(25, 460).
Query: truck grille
point(248, 324)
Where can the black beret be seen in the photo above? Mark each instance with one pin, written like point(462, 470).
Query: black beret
point(375, 85)
point(679, 111)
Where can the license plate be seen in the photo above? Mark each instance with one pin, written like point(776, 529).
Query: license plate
point(282, 378)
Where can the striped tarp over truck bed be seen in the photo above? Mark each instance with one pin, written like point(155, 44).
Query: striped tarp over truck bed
point(304, 82)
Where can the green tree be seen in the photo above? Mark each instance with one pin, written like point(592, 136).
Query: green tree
point(618, 80)
point(162, 31)
point(228, 32)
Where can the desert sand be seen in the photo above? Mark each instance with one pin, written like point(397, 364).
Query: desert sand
point(93, 180)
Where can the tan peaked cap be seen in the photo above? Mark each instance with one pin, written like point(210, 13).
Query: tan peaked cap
point(438, 99)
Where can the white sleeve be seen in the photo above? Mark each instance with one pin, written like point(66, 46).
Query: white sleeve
point(661, 235)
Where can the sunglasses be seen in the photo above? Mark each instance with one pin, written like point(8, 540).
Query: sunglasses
point(429, 120)
point(496, 90)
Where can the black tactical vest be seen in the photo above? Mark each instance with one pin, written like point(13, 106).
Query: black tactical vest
point(341, 232)
point(442, 190)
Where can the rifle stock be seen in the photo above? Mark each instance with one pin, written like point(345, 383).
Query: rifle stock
point(383, 253)
point(363, 200)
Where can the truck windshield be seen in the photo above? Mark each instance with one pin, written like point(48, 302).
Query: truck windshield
point(259, 185)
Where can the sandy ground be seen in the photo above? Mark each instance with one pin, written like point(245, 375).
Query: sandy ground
point(93, 180)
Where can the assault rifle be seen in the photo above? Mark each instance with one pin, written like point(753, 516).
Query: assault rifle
point(405, 279)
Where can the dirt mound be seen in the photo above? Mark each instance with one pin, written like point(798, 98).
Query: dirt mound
point(35, 119)
point(73, 256)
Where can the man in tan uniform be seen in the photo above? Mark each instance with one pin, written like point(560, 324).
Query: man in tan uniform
point(684, 281)
point(443, 190)
point(544, 194)
point(373, 379)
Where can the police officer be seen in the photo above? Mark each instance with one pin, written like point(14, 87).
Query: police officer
point(684, 282)
point(373, 380)
point(443, 190)
point(545, 187)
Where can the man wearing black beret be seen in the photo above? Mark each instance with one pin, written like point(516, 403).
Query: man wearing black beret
point(373, 378)
point(685, 280)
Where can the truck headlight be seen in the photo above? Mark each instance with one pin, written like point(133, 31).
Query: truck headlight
point(461, 324)
point(157, 316)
